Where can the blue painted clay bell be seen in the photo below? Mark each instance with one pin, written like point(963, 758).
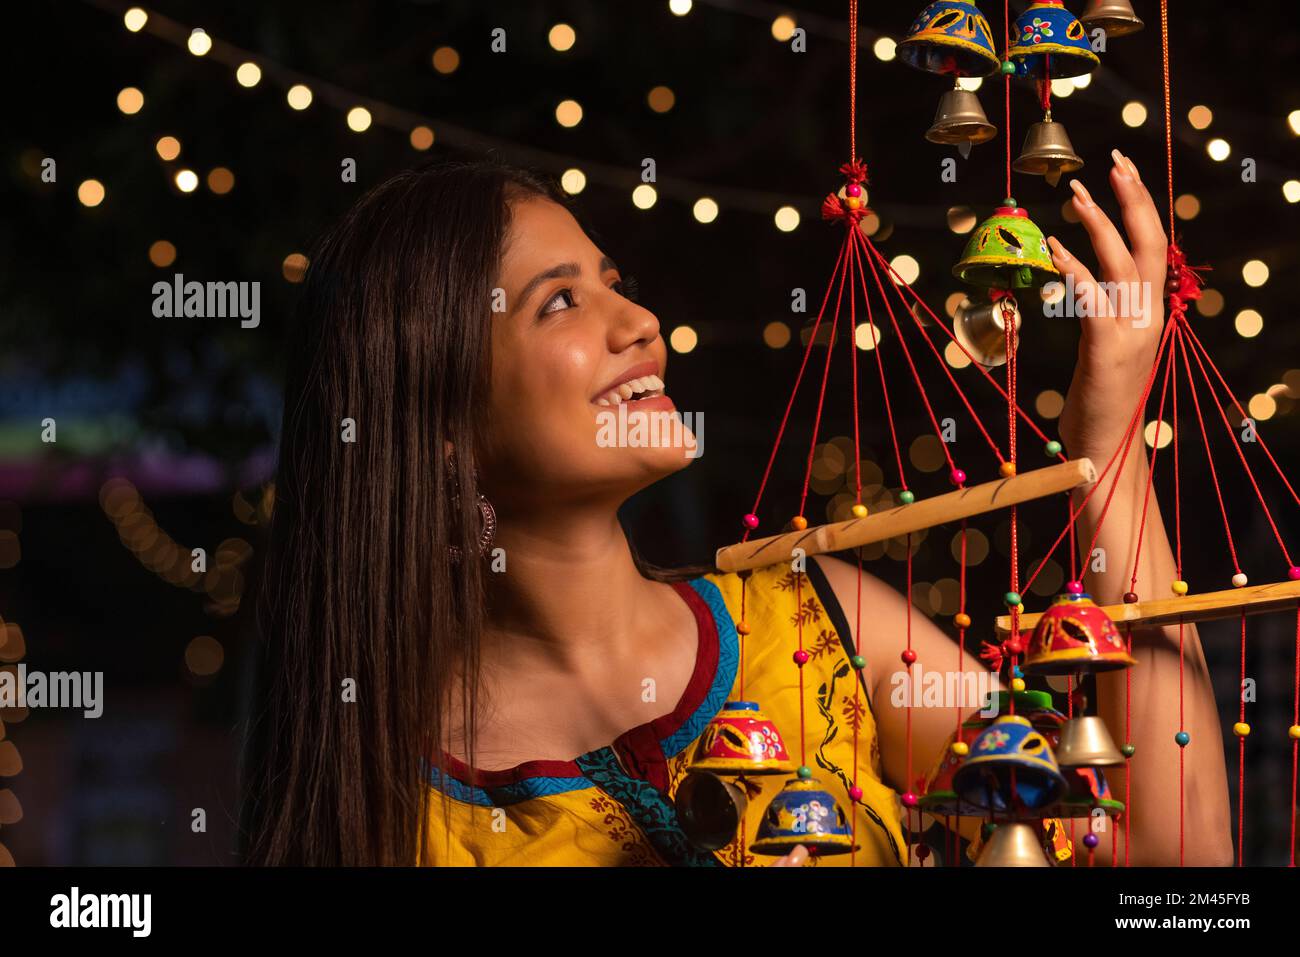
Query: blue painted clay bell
point(1048, 40)
point(952, 38)
point(803, 813)
point(1010, 766)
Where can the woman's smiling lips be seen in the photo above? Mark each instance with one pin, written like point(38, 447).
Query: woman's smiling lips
point(639, 386)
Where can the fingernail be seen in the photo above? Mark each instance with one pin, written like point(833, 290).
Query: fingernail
point(1058, 249)
point(1081, 193)
point(1133, 169)
point(1121, 165)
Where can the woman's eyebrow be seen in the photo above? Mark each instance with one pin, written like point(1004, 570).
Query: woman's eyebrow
point(562, 270)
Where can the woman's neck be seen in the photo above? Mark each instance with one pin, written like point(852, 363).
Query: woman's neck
point(570, 587)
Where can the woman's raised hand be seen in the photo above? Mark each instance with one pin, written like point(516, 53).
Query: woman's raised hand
point(795, 858)
point(1121, 316)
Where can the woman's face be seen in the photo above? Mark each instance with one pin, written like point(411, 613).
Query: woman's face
point(577, 372)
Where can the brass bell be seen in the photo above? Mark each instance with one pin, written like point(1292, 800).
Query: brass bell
point(709, 809)
point(1014, 844)
point(960, 120)
point(1047, 152)
point(980, 328)
point(1116, 17)
point(1086, 743)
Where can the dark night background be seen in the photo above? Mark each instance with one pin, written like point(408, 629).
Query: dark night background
point(185, 410)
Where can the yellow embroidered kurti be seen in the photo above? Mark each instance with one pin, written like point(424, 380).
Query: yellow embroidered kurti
point(614, 806)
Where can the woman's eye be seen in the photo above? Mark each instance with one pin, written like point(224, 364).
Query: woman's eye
point(565, 299)
point(627, 288)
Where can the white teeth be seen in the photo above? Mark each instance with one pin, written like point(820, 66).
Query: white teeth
point(624, 392)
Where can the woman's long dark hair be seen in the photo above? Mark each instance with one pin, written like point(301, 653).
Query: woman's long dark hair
point(366, 624)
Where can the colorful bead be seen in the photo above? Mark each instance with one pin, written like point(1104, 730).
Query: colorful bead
point(853, 189)
point(799, 523)
point(855, 793)
point(960, 748)
point(906, 497)
point(804, 772)
point(1017, 672)
point(1127, 750)
point(852, 202)
point(801, 657)
point(956, 476)
point(1007, 469)
point(1052, 448)
point(909, 799)
point(1293, 573)
point(1239, 580)
point(1179, 587)
point(751, 521)
point(1074, 588)
point(742, 627)
point(858, 662)
point(1012, 598)
point(1008, 68)
point(1294, 731)
point(1090, 840)
point(1183, 739)
point(1241, 729)
point(1130, 597)
point(908, 656)
point(1017, 684)
point(988, 829)
point(859, 510)
point(961, 620)
point(1014, 646)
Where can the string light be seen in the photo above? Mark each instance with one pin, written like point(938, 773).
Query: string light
point(885, 49)
point(1255, 273)
point(787, 219)
point(908, 268)
point(446, 60)
point(248, 74)
point(866, 336)
point(168, 148)
point(705, 210)
point(562, 37)
point(783, 28)
point(294, 267)
point(299, 96)
point(1291, 190)
point(661, 99)
point(1049, 403)
point(1134, 113)
point(1248, 323)
point(644, 196)
point(135, 19)
point(1187, 206)
point(199, 42)
point(421, 138)
point(573, 181)
point(1293, 120)
point(358, 119)
point(1261, 406)
point(1218, 149)
point(221, 180)
point(970, 83)
point(1158, 434)
point(187, 181)
point(130, 100)
point(568, 113)
point(683, 339)
point(91, 192)
point(162, 254)
point(679, 8)
point(1200, 117)
point(776, 335)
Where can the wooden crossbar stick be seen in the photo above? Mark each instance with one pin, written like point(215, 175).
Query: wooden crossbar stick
point(926, 513)
point(1252, 599)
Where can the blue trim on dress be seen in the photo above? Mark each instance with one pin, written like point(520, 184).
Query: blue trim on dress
point(524, 790)
point(723, 677)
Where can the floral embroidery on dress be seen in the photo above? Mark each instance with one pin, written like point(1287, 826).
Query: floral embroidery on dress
point(623, 832)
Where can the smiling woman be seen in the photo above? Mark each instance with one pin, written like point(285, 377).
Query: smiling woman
point(431, 693)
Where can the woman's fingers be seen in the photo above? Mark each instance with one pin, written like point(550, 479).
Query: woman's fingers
point(795, 858)
point(1112, 254)
point(1089, 304)
point(1142, 222)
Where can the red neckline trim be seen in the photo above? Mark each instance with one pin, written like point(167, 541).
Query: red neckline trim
point(706, 665)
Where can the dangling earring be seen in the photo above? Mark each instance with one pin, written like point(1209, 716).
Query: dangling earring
point(487, 517)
